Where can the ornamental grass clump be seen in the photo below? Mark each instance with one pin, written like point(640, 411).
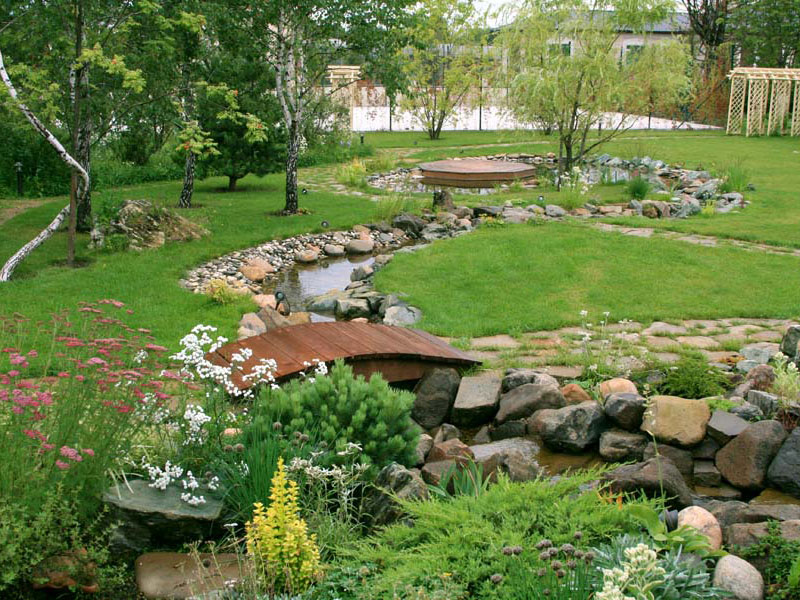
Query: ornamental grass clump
point(343, 409)
point(285, 555)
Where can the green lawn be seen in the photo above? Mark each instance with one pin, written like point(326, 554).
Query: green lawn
point(526, 278)
point(148, 281)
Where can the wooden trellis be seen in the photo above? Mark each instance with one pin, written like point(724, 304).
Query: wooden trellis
point(763, 94)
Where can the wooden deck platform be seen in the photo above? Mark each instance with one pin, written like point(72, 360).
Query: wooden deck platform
point(398, 353)
point(472, 171)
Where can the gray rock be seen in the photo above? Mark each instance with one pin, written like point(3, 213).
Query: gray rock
point(476, 401)
point(482, 437)
point(705, 450)
point(252, 323)
point(333, 250)
point(523, 401)
point(679, 457)
point(516, 377)
point(570, 429)
point(766, 402)
point(446, 433)
point(625, 409)
point(724, 426)
point(393, 483)
point(352, 308)
point(747, 411)
point(784, 471)
point(745, 459)
point(487, 211)
point(517, 456)
point(360, 246)
point(149, 517)
point(732, 197)
point(424, 446)
point(760, 352)
point(706, 473)
point(747, 365)
point(739, 577)
point(748, 534)
point(790, 341)
point(409, 223)
point(325, 302)
point(435, 394)
point(706, 191)
point(618, 445)
point(362, 272)
point(387, 302)
point(401, 315)
point(509, 429)
point(652, 477)
point(554, 211)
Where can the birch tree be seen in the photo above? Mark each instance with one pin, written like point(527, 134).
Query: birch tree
point(299, 39)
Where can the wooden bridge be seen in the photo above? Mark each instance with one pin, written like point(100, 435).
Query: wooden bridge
point(398, 353)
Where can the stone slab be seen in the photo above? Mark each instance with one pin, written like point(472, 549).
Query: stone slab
point(476, 401)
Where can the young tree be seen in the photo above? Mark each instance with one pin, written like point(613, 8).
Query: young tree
point(445, 66)
point(299, 39)
point(576, 91)
point(709, 21)
point(767, 32)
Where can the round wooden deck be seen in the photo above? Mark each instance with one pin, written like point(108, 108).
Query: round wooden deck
point(466, 172)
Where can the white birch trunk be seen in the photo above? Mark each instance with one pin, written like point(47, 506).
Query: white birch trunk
point(22, 253)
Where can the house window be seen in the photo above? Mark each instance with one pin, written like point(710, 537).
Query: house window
point(632, 52)
point(564, 49)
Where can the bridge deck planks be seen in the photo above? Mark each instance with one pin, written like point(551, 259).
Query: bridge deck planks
point(402, 352)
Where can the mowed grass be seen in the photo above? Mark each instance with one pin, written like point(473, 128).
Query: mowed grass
point(523, 278)
point(148, 281)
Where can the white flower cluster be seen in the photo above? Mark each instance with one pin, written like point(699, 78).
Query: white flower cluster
point(638, 574)
point(190, 483)
point(336, 474)
point(161, 478)
point(263, 372)
point(193, 500)
point(317, 368)
point(195, 418)
point(140, 356)
point(213, 483)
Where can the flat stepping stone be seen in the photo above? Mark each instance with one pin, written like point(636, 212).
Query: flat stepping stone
point(543, 342)
point(179, 576)
point(744, 330)
point(495, 341)
point(698, 341)
point(767, 336)
point(661, 328)
point(660, 342)
point(667, 357)
point(476, 401)
point(562, 372)
point(484, 355)
point(705, 324)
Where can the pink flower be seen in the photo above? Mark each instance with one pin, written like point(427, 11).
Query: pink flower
point(80, 378)
point(13, 373)
point(70, 453)
point(96, 361)
point(33, 354)
point(88, 451)
point(18, 359)
point(63, 374)
point(46, 447)
point(34, 434)
point(155, 348)
point(62, 465)
point(18, 410)
point(8, 350)
point(124, 408)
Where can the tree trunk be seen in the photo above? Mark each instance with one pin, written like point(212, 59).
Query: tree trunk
point(292, 153)
point(232, 179)
point(185, 201)
point(81, 127)
point(22, 253)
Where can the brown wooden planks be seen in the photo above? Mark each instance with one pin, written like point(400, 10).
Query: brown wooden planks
point(397, 352)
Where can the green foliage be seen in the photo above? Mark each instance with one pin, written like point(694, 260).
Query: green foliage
point(683, 579)
point(779, 557)
point(693, 378)
point(719, 403)
point(684, 538)
point(735, 177)
point(352, 174)
point(500, 517)
point(465, 479)
point(388, 207)
point(563, 577)
point(344, 409)
point(787, 380)
point(638, 188)
point(220, 292)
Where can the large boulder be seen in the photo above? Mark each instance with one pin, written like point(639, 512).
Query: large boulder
point(725, 426)
point(784, 471)
point(409, 223)
point(749, 534)
point(739, 577)
point(678, 421)
point(745, 459)
point(451, 449)
point(618, 445)
point(435, 394)
point(352, 308)
point(516, 377)
point(256, 269)
point(148, 517)
point(179, 576)
point(704, 522)
point(760, 352)
point(360, 246)
point(625, 409)
point(476, 401)
point(570, 429)
point(652, 477)
point(515, 456)
point(401, 315)
point(523, 401)
point(393, 483)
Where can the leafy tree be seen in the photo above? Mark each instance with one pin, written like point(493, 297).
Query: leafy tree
point(709, 22)
point(767, 32)
point(576, 91)
point(299, 39)
point(445, 66)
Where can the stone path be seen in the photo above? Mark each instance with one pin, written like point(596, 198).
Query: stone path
point(630, 345)
point(701, 240)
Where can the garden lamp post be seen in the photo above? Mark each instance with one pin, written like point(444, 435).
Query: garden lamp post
point(280, 298)
point(18, 169)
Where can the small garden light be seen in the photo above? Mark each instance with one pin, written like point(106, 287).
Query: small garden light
point(18, 169)
point(280, 298)
point(541, 198)
point(325, 224)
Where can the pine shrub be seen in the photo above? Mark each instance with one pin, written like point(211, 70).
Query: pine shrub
point(340, 408)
